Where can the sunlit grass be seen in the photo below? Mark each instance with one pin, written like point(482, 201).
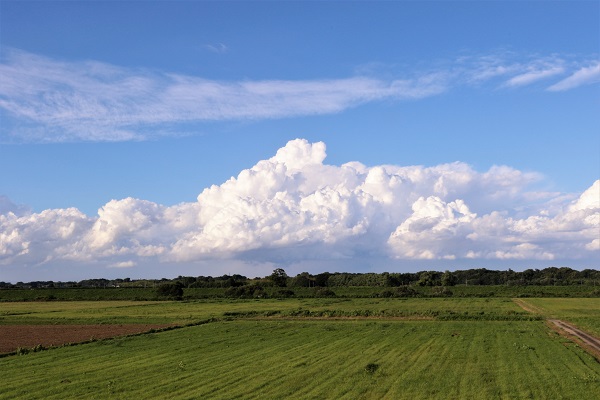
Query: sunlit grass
point(583, 312)
point(193, 311)
point(314, 359)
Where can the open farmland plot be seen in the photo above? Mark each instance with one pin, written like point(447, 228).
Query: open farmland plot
point(314, 359)
point(584, 313)
point(29, 324)
point(103, 312)
point(303, 348)
point(117, 312)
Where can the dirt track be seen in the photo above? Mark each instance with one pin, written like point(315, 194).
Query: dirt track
point(29, 336)
point(528, 307)
point(588, 341)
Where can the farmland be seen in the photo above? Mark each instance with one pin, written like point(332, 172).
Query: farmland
point(585, 313)
point(369, 348)
point(122, 312)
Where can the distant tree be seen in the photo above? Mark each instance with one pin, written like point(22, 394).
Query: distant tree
point(279, 277)
point(449, 279)
point(392, 279)
point(303, 279)
point(186, 281)
point(427, 278)
point(172, 291)
point(322, 279)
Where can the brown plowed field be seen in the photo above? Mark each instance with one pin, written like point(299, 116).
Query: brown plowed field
point(28, 336)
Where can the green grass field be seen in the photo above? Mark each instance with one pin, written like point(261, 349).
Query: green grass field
point(122, 312)
point(308, 348)
point(584, 313)
point(274, 359)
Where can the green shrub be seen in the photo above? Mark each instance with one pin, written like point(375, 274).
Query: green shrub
point(324, 292)
point(246, 292)
point(173, 291)
point(370, 368)
point(405, 291)
point(285, 293)
point(441, 291)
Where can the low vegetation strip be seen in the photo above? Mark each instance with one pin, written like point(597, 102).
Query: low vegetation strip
point(26, 337)
point(431, 314)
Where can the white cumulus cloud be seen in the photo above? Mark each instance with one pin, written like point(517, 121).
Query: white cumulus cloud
point(297, 207)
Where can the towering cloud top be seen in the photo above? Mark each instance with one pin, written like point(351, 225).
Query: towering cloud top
point(296, 204)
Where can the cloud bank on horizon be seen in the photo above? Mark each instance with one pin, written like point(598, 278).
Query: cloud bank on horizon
point(295, 205)
point(48, 100)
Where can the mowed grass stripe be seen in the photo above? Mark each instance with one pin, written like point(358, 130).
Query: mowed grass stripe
point(341, 355)
point(275, 359)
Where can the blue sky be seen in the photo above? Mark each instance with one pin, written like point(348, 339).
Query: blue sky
point(157, 101)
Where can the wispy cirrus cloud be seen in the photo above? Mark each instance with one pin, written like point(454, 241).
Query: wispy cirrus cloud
point(219, 48)
point(534, 76)
point(583, 76)
point(48, 100)
point(93, 101)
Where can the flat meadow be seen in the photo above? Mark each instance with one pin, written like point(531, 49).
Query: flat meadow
point(104, 312)
point(306, 348)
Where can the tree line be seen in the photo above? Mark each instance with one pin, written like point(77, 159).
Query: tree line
point(551, 276)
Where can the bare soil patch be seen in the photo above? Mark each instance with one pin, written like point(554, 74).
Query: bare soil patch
point(29, 336)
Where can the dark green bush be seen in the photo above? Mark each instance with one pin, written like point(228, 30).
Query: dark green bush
point(172, 291)
point(285, 293)
point(246, 292)
point(441, 291)
point(324, 292)
point(371, 368)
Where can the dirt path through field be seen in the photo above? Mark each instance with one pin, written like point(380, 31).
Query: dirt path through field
point(528, 306)
point(29, 336)
point(587, 341)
